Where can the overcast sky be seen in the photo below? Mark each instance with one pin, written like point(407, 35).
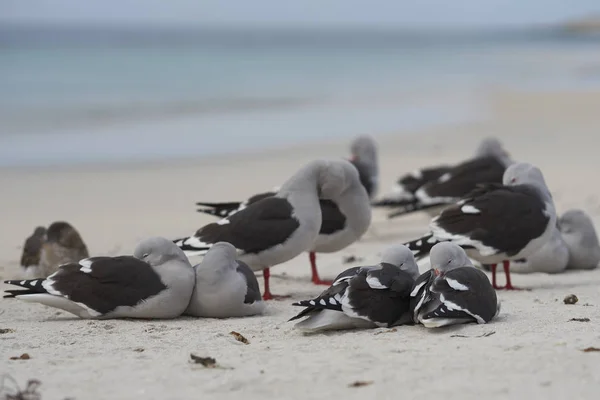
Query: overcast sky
point(295, 12)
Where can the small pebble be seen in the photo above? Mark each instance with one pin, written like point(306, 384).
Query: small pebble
point(570, 299)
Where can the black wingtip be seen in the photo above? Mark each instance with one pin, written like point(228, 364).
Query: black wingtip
point(388, 202)
point(421, 246)
point(302, 313)
point(208, 211)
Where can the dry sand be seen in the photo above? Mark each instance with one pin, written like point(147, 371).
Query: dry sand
point(534, 352)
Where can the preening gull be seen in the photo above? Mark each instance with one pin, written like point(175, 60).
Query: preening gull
point(363, 150)
point(341, 225)
point(277, 228)
point(225, 287)
point(156, 282)
point(364, 297)
point(437, 191)
point(45, 250)
point(497, 223)
point(453, 291)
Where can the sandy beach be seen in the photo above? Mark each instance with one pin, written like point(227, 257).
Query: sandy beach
point(531, 351)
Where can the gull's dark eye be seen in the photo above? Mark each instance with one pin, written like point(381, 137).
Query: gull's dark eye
point(513, 180)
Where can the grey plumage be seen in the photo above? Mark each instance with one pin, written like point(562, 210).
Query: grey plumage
point(453, 291)
point(579, 234)
point(574, 245)
point(409, 194)
point(156, 282)
point(224, 286)
point(364, 297)
point(551, 258)
point(363, 150)
point(280, 227)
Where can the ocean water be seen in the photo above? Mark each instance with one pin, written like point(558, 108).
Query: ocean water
point(82, 95)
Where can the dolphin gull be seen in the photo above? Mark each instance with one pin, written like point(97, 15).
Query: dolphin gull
point(364, 297)
point(551, 258)
point(338, 230)
point(579, 234)
point(497, 222)
point(224, 287)
point(433, 191)
point(453, 291)
point(156, 282)
point(277, 228)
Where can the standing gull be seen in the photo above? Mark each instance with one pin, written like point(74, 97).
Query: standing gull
point(497, 223)
point(364, 297)
point(455, 182)
point(277, 228)
point(156, 282)
point(344, 221)
point(61, 244)
point(363, 155)
point(453, 291)
point(224, 287)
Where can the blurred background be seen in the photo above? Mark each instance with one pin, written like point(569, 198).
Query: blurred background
point(132, 80)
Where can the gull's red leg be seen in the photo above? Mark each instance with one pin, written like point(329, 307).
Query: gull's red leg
point(509, 285)
point(267, 295)
point(494, 284)
point(315, 274)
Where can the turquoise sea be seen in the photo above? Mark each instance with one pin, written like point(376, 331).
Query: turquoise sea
point(95, 95)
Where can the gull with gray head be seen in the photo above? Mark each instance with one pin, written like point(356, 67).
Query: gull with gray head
point(277, 228)
point(431, 189)
point(364, 297)
point(497, 222)
point(453, 291)
point(225, 287)
point(574, 245)
point(578, 232)
point(551, 258)
point(344, 220)
point(156, 282)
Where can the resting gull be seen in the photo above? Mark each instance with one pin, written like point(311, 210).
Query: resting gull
point(364, 297)
point(156, 282)
point(225, 287)
point(453, 291)
point(455, 182)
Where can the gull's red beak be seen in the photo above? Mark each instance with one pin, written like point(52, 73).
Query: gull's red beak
point(436, 272)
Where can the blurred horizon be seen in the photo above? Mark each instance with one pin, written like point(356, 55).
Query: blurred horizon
point(128, 80)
